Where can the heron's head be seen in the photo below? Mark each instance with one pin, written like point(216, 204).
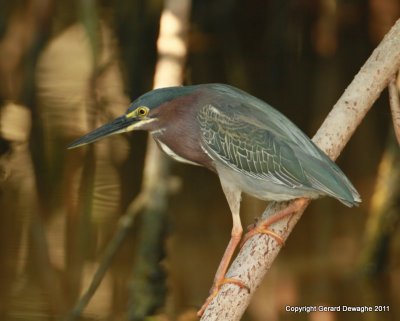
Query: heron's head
point(145, 113)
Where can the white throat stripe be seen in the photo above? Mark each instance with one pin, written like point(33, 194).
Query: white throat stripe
point(170, 153)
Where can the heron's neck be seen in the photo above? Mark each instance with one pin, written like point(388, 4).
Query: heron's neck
point(167, 150)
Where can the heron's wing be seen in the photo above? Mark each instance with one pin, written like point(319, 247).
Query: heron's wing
point(245, 147)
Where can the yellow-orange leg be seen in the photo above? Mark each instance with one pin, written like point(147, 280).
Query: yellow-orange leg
point(219, 278)
point(264, 227)
point(233, 197)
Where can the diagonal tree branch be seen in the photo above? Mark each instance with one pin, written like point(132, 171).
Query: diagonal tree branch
point(258, 254)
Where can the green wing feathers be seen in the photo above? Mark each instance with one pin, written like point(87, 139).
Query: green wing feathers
point(255, 150)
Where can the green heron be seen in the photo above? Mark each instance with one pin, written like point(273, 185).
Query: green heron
point(252, 147)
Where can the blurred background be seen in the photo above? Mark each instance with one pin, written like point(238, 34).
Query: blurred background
point(68, 66)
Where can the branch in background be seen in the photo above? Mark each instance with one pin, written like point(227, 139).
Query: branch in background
point(147, 285)
point(383, 214)
point(395, 107)
point(258, 254)
point(148, 281)
point(152, 199)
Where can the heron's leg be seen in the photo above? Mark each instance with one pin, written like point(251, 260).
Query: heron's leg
point(233, 197)
point(263, 228)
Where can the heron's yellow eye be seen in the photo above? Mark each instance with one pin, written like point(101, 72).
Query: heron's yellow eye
point(142, 111)
point(139, 112)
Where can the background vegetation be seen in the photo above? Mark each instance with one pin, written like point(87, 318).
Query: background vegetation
point(69, 66)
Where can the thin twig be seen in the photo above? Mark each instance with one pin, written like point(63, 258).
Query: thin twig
point(395, 107)
point(124, 224)
point(258, 254)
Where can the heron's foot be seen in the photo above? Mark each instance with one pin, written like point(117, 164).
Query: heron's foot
point(262, 229)
point(215, 290)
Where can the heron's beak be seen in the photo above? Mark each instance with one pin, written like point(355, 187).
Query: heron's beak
point(119, 125)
